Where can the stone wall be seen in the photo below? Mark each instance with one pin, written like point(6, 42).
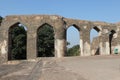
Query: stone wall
point(60, 26)
point(95, 46)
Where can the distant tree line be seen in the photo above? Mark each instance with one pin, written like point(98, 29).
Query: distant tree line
point(73, 51)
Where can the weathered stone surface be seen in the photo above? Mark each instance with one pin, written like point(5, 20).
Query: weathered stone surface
point(60, 26)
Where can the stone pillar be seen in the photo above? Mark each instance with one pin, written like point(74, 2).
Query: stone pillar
point(85, 43)
point(60, 47)
point(31, 44)
point(60, 40)
point(3, 45)
point(81, 46)
point(3, 51)
point(95, 46)
point(104, 44)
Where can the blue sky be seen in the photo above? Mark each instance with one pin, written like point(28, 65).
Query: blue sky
point(93, 10)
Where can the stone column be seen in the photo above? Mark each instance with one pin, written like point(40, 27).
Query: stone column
point(31, 44)
point(60, 47)
point(60, 40)
point(85, 43)
point(81, 44)
point(3, 45)
point(104, 44)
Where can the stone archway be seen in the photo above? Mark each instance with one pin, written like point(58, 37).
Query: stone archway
point(17, 42)
point(60, 25)
point(94, 36)
point(73, 38)
point(45, 41)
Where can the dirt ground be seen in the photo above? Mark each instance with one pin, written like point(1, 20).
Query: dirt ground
point(68, 68)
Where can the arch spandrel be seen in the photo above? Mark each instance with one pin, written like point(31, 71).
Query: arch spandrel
point(43, 23)
point(76, 26)
point(7, 24)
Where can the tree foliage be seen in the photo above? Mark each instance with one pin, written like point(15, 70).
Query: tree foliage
point(18, 42)
point(45, 41)
point(74, 51)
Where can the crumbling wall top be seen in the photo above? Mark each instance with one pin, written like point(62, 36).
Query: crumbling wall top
point(9, 17)
point(36, 19)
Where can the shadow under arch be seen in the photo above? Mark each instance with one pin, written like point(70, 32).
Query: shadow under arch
point(96, 28)
point(17, 42)
point(73, 42)
point(45, 41)
point(111, 34)
point(75, 26)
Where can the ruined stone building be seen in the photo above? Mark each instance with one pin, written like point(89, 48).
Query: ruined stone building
point(104, 44)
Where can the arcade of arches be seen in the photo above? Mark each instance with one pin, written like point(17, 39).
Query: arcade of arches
point(105, 43)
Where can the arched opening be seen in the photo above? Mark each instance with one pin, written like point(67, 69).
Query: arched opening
point(94, 39)
point(17, 42)
point(112, 32)
point(73, 41)
point(45, 41)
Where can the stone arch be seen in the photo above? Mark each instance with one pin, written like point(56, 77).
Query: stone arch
point(60, 25)
point(78, 35)
point(95, 48)
point(50, 54)
point(46, 23)
point(97, 29)
point(13, 23)
point(23, 39)
point(76, 26)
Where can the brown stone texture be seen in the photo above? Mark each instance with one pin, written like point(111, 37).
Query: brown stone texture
point(60, 26)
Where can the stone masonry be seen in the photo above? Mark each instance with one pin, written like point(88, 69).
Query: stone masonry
point(107, 41)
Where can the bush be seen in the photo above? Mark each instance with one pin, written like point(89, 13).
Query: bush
point(74, 51)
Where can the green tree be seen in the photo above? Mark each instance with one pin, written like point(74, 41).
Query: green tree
point(74, 51)
point(45, 41)
point(18, 49)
